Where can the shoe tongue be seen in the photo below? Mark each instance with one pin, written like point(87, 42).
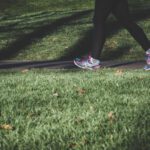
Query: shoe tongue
point(90, 58)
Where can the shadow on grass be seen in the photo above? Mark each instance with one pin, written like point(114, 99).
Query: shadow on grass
point(39, 18)
point(83, 45)
point(39, 33)
point(80, 48)
point(8, 28)
point(141, 136)
point(112, 55)
point(11, 26)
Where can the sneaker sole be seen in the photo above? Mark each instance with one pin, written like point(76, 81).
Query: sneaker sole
point(89, 68)
point(146, 68)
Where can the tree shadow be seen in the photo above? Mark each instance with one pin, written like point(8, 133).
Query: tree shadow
point(7, 28)
point(25, 40)
point(112, 55)
point(83, 45)
point(39, 17)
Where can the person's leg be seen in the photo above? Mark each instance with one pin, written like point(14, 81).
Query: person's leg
point(121, 11)
point(102, 9)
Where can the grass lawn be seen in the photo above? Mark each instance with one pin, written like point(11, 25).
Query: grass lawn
point(59, 110)
point(45, 109)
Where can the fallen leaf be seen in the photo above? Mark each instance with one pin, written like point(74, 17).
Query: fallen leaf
point(119, 72)
point(72, 145)
point(56, 94)
point(66, 47)
point(54, 39)
point(6, 127)
point(81, 91)
point(111, 116)
point(24, 70)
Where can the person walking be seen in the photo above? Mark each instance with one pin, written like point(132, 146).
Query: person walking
point(120, 10)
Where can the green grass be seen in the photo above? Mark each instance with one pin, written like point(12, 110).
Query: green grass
point(29, 6)
point(70, 109)
point(59, 110)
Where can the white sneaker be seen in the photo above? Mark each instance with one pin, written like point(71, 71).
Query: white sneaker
point(87, 63)
point(147, 67)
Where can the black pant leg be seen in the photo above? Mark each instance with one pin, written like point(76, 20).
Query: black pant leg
point(102, 9)
point(121, 11)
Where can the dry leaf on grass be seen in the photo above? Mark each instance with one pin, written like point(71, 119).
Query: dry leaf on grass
point(72, 145)
point(119, 72)
point(24, 70)
point(54, 39)
point(111, 116)
point(81, 91)
point(6, 127)
point(56, 94)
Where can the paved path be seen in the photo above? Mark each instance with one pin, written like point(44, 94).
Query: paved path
point(66, 64)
